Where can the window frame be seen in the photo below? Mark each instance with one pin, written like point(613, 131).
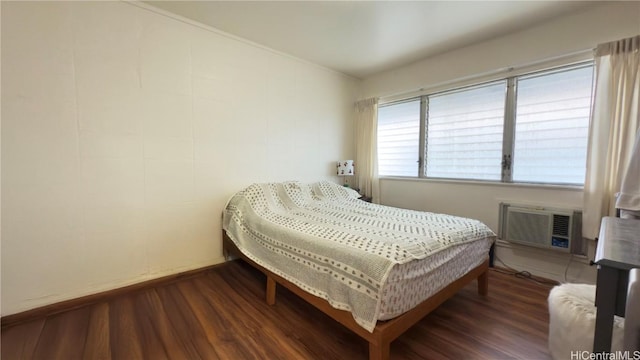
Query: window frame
point(509, 122)
point(420, 126)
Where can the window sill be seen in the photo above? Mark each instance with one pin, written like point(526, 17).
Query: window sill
point(486, 183)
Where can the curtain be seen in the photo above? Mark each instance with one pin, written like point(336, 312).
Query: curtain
point(628, 200)
point(366, 136)
point(614, 123)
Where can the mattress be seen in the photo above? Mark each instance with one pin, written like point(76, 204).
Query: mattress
point(412, 283)
point(372, 260)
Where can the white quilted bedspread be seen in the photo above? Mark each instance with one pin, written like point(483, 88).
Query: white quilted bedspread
point(323, 239)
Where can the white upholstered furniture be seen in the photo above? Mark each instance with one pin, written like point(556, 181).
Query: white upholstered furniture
point(572, 318)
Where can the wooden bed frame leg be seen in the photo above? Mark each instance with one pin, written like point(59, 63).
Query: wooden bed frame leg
point(271, 291)
point(379, 351)
point(483, 283)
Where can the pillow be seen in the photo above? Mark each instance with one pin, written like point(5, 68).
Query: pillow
point(352, 193)
point(333, 191)
point(298, 192)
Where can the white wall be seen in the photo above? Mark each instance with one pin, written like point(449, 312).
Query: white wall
point(564, 35)
point(553, 39)
point(124, 131)
point(481, 201)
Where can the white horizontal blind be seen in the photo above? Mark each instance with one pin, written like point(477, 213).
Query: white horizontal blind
point(398, 138)
point(464, 133)
point(552, 125)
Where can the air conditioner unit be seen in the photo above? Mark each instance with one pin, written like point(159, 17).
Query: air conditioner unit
point(543, 227)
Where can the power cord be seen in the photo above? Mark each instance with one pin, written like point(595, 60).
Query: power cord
point(522, 274)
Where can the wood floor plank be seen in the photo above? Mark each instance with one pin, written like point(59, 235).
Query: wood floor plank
point(150, 341)
point(249, 330)
point(155, 327)
point(64, 335)
point(265, 331)
point(151, 311)
point(219, 330)
point(19, 342)
point(97, 345)
point(124, 335)
point(303, 322)
point(286, 315)
point(222, 314)
point(186, 324)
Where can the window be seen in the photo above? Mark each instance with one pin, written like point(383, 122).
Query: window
point(464, 136)
point(552, 125)
point(529, 129)
point(398, 138)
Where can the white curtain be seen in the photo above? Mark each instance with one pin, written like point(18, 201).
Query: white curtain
point(628, 200)
point(366, 136)
point(614, 123)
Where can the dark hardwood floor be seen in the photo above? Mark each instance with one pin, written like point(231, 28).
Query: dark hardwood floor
point(221, 314)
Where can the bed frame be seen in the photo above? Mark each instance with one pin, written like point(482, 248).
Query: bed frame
point(385, 331)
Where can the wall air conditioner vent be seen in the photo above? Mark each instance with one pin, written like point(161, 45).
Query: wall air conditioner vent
point(543, 227)
point(561, 225)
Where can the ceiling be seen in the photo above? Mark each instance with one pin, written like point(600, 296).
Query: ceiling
point(360, 38)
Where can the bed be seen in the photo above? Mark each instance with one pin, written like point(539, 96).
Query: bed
point(375, 269)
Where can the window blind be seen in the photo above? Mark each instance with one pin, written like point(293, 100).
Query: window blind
point(465, 131)
point(552, 125)
point(525, 129)
point(398, 138)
